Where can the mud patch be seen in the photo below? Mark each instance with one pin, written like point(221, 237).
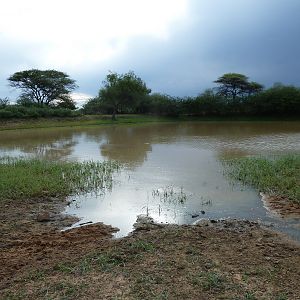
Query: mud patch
point(226, 259)
point(281, 206)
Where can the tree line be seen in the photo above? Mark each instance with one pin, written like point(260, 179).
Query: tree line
point(48, 93)
point(233, 95)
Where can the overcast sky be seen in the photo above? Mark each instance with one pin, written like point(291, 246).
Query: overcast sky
point(178, 47)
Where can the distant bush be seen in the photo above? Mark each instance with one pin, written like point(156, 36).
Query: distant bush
point(279, 100)
point(25, 112)
point(160, 104)
point(4, 114)
point(207, 103)
point(96, 106)
point(157, 104)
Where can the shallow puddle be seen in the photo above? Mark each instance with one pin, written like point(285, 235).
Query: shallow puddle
point(172, 172)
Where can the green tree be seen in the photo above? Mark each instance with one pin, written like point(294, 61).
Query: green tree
point(49, 87)
point(253, 88)
point(122, 92)
point(65, 102)
point(233, 85)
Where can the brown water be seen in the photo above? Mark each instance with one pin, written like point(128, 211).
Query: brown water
point(171, 171)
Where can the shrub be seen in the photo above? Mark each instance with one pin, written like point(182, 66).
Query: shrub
point(24, 112)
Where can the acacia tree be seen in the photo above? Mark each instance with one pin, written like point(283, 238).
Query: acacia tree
point(232, 85)
point(44, 87)
point(122, 91)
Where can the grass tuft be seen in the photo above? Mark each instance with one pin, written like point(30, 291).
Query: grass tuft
point(276, 176)
point(33, 178)
point(142, 246)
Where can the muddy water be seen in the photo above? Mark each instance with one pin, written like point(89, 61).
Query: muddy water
point(172, 172)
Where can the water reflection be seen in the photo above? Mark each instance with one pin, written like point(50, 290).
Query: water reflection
point(51, 143)
point(128, 145)
point(132, 144)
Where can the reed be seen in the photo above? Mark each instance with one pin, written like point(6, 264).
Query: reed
point(169, 194)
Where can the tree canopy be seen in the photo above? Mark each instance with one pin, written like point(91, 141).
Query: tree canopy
point(44, 87)
point(122, 91)
point(232, 85)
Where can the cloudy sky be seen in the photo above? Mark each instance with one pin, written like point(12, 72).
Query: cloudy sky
point(178, 47)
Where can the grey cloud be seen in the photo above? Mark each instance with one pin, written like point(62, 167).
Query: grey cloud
point(16, 56)
point(259, 38)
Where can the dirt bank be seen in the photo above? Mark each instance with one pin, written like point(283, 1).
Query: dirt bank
point(281, 206)
point(211, 260)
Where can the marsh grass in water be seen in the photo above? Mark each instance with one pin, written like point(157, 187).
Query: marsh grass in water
point(169, 194)
point(31, 178)
point(276, 176)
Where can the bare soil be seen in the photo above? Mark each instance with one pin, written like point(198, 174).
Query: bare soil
point(281, 206)
point(210, 260)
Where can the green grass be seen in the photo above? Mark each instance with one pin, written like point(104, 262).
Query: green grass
point(142, 246)
point(209, 280)
point(102, 262)
point(82, 121)
point(276, 176)
point(106, 261)
point(62, 290)
point(249, 296)
point(97, 120)
point(33, 178)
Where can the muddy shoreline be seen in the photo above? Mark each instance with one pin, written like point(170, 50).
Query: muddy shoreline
point(281, 206)
point(211, 260)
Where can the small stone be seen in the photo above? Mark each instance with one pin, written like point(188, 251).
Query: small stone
point(43, 217)
point(144, 219)
point(145, 222)
point(202, 222)
point(237, 277)
point(268, 258)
